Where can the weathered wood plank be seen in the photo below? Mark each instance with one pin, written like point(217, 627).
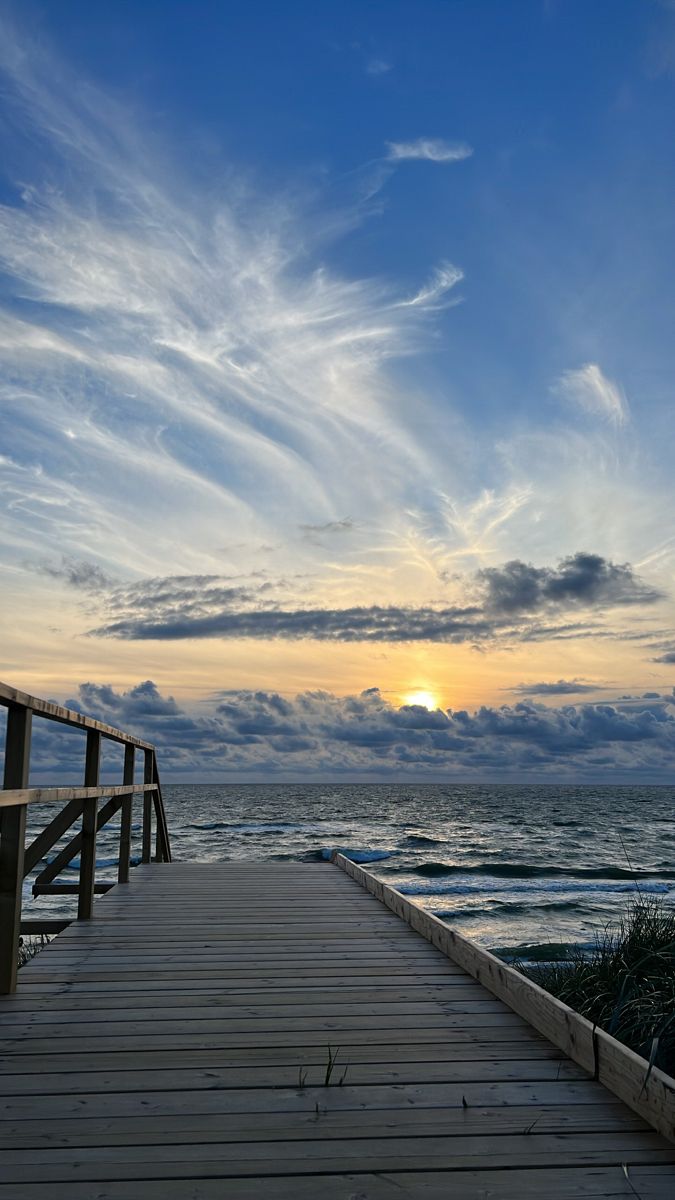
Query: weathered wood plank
point(364, 1154)
point(207, 1020)
point(556, 1183)
point(164, 1078)
point(12, 844)
point(61, 795)
point(445, 1097)
point(324, 1124)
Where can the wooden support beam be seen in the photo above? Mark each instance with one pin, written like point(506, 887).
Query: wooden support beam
point(71, 851)
point(163, 844)
point(125, 823)
point(68, 889)
point(49, 836)
point(44, 925)
point(149, 778)
point(85, 906)
point(12, 844)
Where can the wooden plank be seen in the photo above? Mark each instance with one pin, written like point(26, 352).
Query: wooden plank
point(126, 818)
point(43, 925)
point(363, 1154)
point(127, 1054)
point(316, 990)
point(190, 1079)
point(324, 1124)
point(365, 991)
point(163, 853)
point(60, 795)
point(55, 1006)
point(649, 1092)
point(68, 889)
point(12, 844)
point(85, 906)
point(556, 1183)
point(462, 1096)
point(166, 1022)
point(148, 777)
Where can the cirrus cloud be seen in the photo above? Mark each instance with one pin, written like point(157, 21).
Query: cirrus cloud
point(431, 149)
point(593, 392)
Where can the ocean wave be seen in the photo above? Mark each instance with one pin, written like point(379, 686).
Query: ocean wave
point(539, 951)
point(74, 864)
point(532, 871)
point(469, 888)
point(419, 839)
point(359, 856)
point(510, 908)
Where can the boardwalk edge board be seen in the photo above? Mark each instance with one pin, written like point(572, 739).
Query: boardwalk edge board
point(649, 1092)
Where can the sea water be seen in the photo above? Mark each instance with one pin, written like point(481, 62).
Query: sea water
point(506, 865)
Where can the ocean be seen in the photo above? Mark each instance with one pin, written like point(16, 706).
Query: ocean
point(511, 866)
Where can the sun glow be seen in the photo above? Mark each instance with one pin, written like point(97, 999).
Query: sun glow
point(422, 699)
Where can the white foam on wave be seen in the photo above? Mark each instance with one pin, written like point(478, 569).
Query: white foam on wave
point(469, 887)
point(359, 856)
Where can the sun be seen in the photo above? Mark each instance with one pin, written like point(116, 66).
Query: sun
point(422, 699)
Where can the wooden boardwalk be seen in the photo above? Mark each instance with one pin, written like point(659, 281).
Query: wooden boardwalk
point(176, 1045)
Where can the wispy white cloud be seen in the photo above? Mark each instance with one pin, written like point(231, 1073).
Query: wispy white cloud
point(432, 149)
point(593, 392)
point(378, 66)
point(191, 347)
point(445, 277)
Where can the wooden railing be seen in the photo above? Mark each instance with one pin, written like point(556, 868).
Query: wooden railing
point(17, 860)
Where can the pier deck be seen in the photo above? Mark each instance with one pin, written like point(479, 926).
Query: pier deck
point(179, 1044)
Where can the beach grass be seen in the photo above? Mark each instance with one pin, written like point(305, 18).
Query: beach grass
point(625, 983)
point(31, 945)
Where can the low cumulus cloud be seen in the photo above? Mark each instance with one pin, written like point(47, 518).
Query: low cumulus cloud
point(593, 392)
point(431, 149)
point(668, 656)
point(558, 687)
point(261, 733)
point(581, 579)
point(510, 603)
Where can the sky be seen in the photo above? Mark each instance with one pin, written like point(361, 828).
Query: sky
point(336, 383)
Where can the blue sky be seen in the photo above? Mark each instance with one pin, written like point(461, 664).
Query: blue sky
point(337, 355)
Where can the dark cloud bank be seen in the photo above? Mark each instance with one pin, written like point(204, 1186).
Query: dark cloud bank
point(262, 735)
point(511, 601)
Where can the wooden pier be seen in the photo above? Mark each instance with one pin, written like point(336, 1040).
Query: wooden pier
point(246, 1030)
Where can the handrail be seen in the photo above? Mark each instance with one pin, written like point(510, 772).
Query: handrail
point(66, 716)
point(17, 860)
point(41, 795)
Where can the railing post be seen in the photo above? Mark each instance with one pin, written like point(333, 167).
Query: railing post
point(148, 777)
point(163, 845)
point(13, 843)
point(85, 905)
point(125, 821)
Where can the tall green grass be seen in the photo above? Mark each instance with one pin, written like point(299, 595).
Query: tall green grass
point(626, 982)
